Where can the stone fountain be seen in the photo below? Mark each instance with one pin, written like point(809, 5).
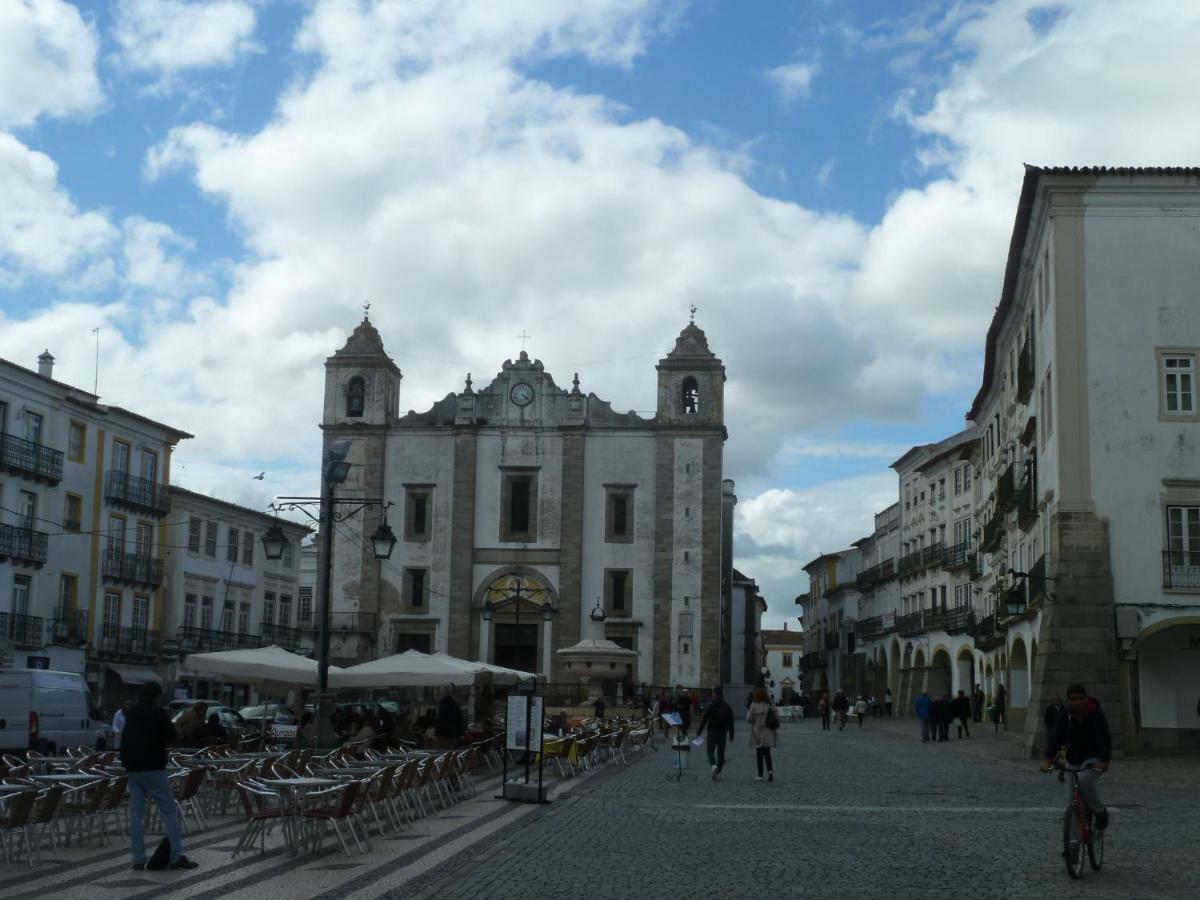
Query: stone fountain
point(598, 660)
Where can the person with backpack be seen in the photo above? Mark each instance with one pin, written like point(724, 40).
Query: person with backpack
point(144, 740)
point(764, 732)
point(718, 717)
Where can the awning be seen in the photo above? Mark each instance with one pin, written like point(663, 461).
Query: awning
point(135, 674)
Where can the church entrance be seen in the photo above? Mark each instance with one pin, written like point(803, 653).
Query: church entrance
point(516, 646)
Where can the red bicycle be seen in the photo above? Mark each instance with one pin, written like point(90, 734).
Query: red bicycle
point(1079, 830)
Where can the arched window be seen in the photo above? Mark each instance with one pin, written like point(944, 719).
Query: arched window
point(356, 396)
point(690, 396)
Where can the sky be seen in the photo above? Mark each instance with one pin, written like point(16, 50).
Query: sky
point(218, 187)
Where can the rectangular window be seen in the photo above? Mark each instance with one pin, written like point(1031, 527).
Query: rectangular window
point(268, 608)
point(27, 509)
point(189, 610)
point(20, 594)
point(285, 611)
point(618, 514)
point(210, 539)
point(111, 620)
point(1048, 410)
point(618, 591)
point(787, 660)
point(194, 534)
point(227, 616)
point(289, 556)
point(1177, 397)
point(116, 534)
point(231, 551)
point(33, 427)
point(141, 614)
point(941, 488)
point(518, 507)
point(121, 457)
point(149, 466)
point(417, 512)
point(244, 619)
point(206, 613)
point(304, 601)
point(958, 481)
point(247, 548)
point(68, 593)
point(1183, 535)
point(77, 442)
point(72, 512)
point(966, 477)
point(143, 537)
point(416, 587)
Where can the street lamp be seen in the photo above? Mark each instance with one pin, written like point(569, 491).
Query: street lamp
point(335, 469)
point(597, 614)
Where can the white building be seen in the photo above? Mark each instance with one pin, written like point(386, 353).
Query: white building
point(746, 610)
point(224, 594)
point(613, 520)
point(83, 496)
point(781, 648)
point(830, 611)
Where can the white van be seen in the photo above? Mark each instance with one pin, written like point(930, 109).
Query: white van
point(48, 711)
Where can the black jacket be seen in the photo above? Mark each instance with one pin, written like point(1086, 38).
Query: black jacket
point(1085, 737)
point(960, 707)
point(718, 718)
point(450, 722)
point(148, 730)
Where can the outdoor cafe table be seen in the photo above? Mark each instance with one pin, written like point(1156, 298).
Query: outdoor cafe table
point(68, 777)
point(296, 789)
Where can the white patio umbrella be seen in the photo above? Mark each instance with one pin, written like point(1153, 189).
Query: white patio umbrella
point(499, 673)
point(268, 668)
point(408, 669)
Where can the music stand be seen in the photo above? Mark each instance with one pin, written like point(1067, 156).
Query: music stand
point(680, 745)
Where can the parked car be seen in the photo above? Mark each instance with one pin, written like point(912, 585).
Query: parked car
point(234, 725)
point(280, 713)
point(49, 711)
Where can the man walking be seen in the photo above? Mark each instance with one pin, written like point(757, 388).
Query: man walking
point(119, 722)
point(961, 708)
point(887, 701)
point(923, 707)
point(718, 719)
point(144, 741)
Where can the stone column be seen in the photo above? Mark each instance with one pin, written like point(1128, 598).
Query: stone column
point(710, 563)
point(664, 546)
point(570, 572)
point(463, 622)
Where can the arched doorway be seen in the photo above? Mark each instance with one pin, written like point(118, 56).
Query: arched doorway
point(1168, 672)
point(516, 612)
point(1018, 685)
point(893, 672)
point(938, 683)
point(904, 696)
point(964, 671)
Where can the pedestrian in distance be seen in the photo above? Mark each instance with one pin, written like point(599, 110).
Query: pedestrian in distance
point(598, 707)
point(887, 701)
point(945, 715)
point(1001, 702)
point(841, 706)
point(450, 724)
point(923, 707)
point(977, 704)
point(860, 709)
point(717, 725)
point(118, 722)
point(823, 711)
point(148, 731)
point(960, 708)
point(683, 706)
point(764, 732)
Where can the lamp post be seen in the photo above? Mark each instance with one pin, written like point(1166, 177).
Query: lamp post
point(335, 467)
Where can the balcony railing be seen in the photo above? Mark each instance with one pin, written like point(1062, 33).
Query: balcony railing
point(127, 642)
point(23, 630)
point(1181, 569)
point(133, 568)
point(814, 660)
point(910, 563)
point(957, 556)
point(1025, 373)
point(283, 636)
point(23, 546)
point(872, 627)
point(1027, 511)
point(1036, 582)
point(958, 619)
point(202, 640)
point(136, 493)
point(832, 641)
point(984, 630)
point(22, 457)
point(1006, 489)
point(993, 533)
point(974, 569)
point(911, 623)
point(68, 627)
point(349, 621)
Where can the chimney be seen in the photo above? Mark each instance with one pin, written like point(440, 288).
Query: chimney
point(785, 626)
point(46, 364)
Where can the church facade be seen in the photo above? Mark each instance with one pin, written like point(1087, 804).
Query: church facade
point(531, 516)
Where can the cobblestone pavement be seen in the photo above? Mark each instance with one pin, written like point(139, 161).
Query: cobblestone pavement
point(862, 813)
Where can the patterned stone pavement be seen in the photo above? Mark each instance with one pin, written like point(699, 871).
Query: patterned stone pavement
point(863, 813)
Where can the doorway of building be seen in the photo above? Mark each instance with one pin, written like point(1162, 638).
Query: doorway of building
point(516, 646)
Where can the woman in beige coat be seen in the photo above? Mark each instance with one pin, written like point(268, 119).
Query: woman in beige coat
point(762, 738)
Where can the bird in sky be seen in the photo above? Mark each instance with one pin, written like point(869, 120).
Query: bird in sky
point(259, 476)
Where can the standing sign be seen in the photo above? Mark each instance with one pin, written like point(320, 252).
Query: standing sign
point(517, 737)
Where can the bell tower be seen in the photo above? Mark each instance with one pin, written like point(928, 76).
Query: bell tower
point(691, 382)
point(362, 383)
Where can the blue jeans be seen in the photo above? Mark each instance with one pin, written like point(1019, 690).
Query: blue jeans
point(924, 728)
point(716, 749)
point(156, 785)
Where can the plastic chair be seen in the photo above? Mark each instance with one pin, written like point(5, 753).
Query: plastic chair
point(335, 807)
point(187, 798)
point(12, 821)
point(263, 809)
point(42, 824)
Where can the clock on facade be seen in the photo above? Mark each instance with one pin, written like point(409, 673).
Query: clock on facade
point(521, 394)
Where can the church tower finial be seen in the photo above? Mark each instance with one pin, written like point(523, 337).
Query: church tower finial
point(692, 312)
point(366, 310)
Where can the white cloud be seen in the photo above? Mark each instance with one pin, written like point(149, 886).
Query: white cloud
point(152, 261)
point(168, 36)
point(793, 81)
point(47, 62)
point(825, 173)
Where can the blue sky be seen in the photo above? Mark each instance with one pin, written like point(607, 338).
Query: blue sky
point(218, 186)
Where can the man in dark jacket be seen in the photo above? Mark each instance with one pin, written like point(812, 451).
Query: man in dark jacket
point(960, 708)
point(718, 719)
point(451, 725)
point(148, 730)
point(1083, 733)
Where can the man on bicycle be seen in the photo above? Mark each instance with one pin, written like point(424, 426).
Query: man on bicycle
point(1082, 733)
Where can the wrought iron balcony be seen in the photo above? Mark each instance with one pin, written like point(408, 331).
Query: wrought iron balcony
point(832, 641)
point(23, 630)
point(69, 627)
point(203, 640)
point(348, 621)
point(814, 660)
point(957, 556)
point(1025, 373)
point(136, 493)
point(974, 569)
point(1181, 569)
point(984, 630)
point(911, 623)
point(1006, 489)
point(1027, 511)
point(24, 546)
point(871, 627)
point(283, 636)
point(1036, 582)
point(21, 457)
point(910, 563)
point(993, 533)
point(132, 568)
point(934, 555)
point(958, 619)
point(127, 642)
